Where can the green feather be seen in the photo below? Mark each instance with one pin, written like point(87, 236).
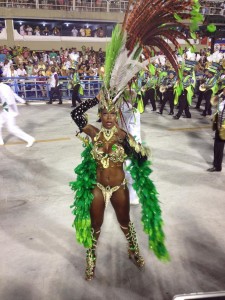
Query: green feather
point(152, 69)
point(180, 51)
point(193, 35)
point(112, 51)
point(196, 16)
point(177, 17)
point(151, 212)
point(83, 186)
point(211, 27)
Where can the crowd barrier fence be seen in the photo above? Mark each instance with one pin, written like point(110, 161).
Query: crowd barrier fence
point(38, 88)
point(68, 5)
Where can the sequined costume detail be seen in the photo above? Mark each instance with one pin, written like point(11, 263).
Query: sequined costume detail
point(116, 155)
point(107, 191)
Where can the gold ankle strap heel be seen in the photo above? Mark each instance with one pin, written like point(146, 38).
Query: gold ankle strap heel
point(133, 248)
point(91, 257)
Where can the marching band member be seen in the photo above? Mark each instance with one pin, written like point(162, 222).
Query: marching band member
point(211, 88)
point(202, 80)
point(219, 128)
point(150, 92)
point(169, 92)
point(185, 98)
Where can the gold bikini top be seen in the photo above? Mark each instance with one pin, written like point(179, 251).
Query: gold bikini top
point(117, 153)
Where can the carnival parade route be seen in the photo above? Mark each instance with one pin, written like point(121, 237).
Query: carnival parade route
point(40, 258)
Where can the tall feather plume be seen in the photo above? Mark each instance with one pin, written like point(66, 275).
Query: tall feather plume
point(150, 22)
point(112, 51)
point(146, 27)
point(126, 67)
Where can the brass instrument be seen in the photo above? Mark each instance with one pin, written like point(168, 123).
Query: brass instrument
point(163, 88)
point(215, 99)
point(202, 88)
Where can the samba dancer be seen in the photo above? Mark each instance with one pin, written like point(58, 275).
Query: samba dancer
point(100, 176)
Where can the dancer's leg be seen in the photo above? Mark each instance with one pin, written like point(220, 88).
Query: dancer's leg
point(97, 216)
point(1, 126)
point(121, 204)
point(15, 130)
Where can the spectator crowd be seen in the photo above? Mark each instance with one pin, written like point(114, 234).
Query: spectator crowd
point(21, 61)
point(83, 31)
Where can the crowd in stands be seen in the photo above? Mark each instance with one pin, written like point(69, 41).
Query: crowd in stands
point(212, 7)
point(21, 61)
point(83, 31)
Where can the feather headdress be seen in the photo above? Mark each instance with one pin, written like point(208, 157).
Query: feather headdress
point(148, 25)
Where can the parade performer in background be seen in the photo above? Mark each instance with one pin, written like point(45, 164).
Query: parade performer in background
point(131, 122)
point(55, 87)
point(150, 90)
point(211, 87)
point(168, 86)
point(185, 98)
point(219, 128)
point(8, 99)
point(100, 176)
point(77, 88)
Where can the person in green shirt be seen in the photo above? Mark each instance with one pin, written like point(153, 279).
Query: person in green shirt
point(185, 97)
point(52, 54)
point(150, 93)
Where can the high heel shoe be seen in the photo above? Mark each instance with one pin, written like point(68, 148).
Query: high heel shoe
point(91, 258)
point(137, 258)
point(91, 263)
point(133, 248)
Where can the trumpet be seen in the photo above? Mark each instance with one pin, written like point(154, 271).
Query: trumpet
point(202, 88)
point(163, 88)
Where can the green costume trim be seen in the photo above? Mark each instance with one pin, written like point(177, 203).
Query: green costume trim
point(83, 186)
point(151, 212)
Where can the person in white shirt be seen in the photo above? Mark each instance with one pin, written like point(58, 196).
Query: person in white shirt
point(74, 55)
point(55, 87)
point(11, 72)
point(131, 124)
point(6, 67)
point(7, 117)
point(74, 31)
point(21, 72)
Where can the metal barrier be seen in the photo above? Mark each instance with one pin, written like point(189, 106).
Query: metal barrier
point(69, 5)
point(38, 88)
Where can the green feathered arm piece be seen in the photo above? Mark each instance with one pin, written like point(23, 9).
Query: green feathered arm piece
point(151, 212)
point(83, 186)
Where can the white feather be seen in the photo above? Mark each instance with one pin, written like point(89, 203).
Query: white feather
point(125, 69)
